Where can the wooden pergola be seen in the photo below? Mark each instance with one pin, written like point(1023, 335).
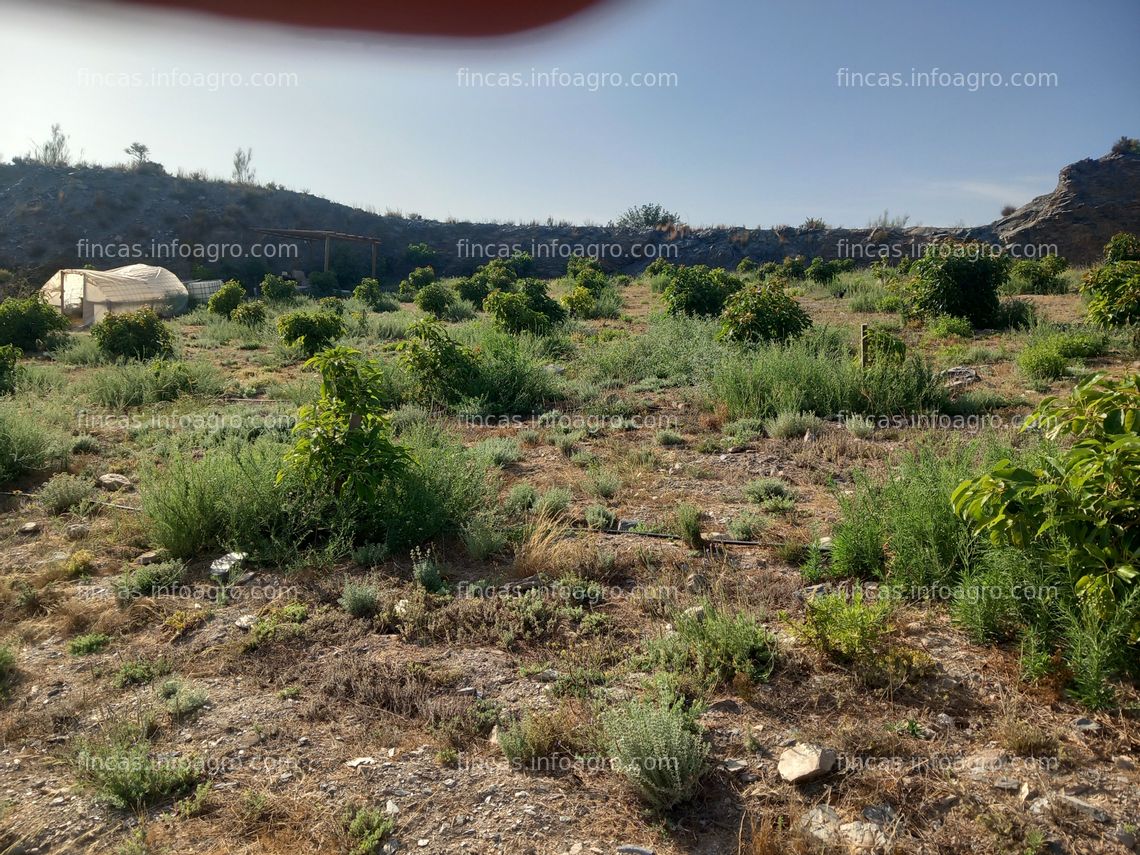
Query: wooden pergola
point(327, 236)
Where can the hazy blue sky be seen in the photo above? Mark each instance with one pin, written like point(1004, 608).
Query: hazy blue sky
point(757, 129)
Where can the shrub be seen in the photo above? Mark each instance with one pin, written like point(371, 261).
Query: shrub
point(251, 314)
point(762, 489)
point(850, 632)
point(602, 483)
point(120, 766)
point(959, 279)
point(311, 331)
point(862, 427)
point(985, 599)
point(1039, 276)
point(133, 384)
point(226, 299)
point(133, 335)
point(416, 280)
point(792, 267)
point(882, 347)
point(427, 572)
point(435, 298)
point(908, 510)
point(278, 289)
point(657, 748)
point(163, 577)
point(686, 524)
point(64, 492)
point(442, 369)
point(520, 499)
point(374, 297)
point(482, 536)
point(764, 312)
point(498, 451)
point(1016, 314)
point(10, 371)
point(579, 302)
point(1113, 293)
point(600, 517)
point(343, 441)
point(1100, 647)
point(1042, 361)
point(1078, 344)
point(140, 671)
point(528, 310)
point(322, 283)
point(84, 645)
point(747, 265)
point(1122, 246)
point(498, 274)
point(553, 503)
point(30, 324)
point(419, 254)
point(668, 437)
point(26, 446)
point(370, 554)
point(182, 701)
point(816, 374)
point(538, 736)
point(747, 525)
point(791, 424)
point(333, 305)
point(1076, 510)
point(711, 648)
point(226, 500)
point(367, 829)
point(7, 671)
point(945, 326)
point(823, 272)
point(697, 290)
point(651, 215)
point(80, 563)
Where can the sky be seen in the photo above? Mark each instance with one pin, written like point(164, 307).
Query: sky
point(760, 112)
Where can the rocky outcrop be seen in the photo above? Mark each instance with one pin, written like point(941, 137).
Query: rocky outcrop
point(107, 217)
point(1094, 200)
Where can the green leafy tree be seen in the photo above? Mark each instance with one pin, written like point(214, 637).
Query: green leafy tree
point(699, 290)
point(1080, 509)
point(226, 299)
point(311, 331)
point(764, 312)
point(29, 323)
point(133, 335)
point(1113, 288)
point(343, 441)
point(441, 368)
point(278, 289)
point(648, 216)
point(959, 279)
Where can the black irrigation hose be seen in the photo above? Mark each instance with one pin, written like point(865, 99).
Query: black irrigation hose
point(711, 542)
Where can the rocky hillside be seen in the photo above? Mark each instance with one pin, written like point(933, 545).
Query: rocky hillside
point(1093, 200)
point(106, 217)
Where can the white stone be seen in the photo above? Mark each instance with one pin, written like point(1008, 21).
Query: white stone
point(805, 762)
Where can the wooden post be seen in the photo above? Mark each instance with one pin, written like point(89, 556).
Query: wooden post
point(328, 241)
point(862, 345)
point(373, 260)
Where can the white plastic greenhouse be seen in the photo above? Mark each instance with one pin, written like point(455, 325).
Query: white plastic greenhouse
point(90, 294)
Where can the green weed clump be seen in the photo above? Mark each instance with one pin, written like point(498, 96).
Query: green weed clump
point(711, 647)
point(119, 765)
